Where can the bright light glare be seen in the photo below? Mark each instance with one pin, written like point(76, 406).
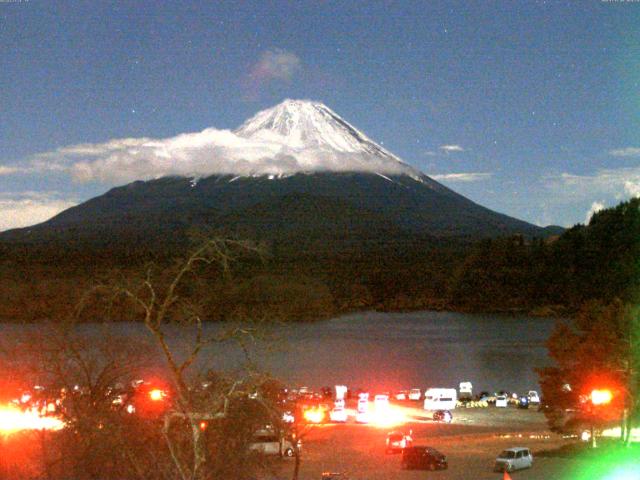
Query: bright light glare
point(601, 397)
point(314, 415)
point(156, 395)
point(625, 472)
point(13, 419)
point(388, 417)
point(615, 433)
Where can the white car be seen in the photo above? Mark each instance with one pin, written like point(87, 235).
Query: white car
point(362, 413)
point(501, 401)
point(287, 417)
point(268, 443)
point(401, 395)
point(415, 394)
point(381, 402)
point(440, 399)
point(533, 396)
point(363, 417)
point(338, 415)
point(512, 459)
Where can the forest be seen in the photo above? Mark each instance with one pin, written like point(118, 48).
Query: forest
point(303, 281)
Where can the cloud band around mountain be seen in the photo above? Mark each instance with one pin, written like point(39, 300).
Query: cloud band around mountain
point(462, 177)
point(200, 154)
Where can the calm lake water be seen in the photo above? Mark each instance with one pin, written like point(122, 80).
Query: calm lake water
point(387, 351)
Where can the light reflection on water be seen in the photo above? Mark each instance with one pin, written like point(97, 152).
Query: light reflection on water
point(388, 351)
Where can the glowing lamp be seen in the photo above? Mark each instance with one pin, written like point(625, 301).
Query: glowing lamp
point(156, 395)
point(314, 415)
point(601, 397)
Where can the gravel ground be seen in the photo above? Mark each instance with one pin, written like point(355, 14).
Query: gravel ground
point(470, 443)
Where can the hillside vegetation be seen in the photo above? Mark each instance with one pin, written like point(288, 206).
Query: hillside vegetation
point(306, 279)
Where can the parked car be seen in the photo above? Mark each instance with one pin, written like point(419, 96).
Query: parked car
point(465, 391)
point(443, 416)
point(423, 458)
point(533, 396)
point(501, 401)
point(512, 459)
point(397, 441)
point(362, 413)
point(523, 402)
point(440, 399)
point(415, 394)
point(401, 395)
point(381, 402)
point(338, 415)
point(269, 443)
point(288, 417)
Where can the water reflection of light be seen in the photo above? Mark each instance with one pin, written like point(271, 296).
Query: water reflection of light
point(12, 419)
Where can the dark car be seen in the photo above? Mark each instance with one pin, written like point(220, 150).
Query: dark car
point(523, 402)
point(423, 458)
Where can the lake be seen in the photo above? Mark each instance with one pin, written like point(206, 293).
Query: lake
point(389, 351)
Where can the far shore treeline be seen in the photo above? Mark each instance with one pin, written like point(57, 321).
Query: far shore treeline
point(302, 279)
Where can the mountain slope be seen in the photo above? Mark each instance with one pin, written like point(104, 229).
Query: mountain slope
point(300, 168)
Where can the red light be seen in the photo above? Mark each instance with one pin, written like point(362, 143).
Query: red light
point(156, 395)
point(601, 397)
point(12, 419)
point(203, 426)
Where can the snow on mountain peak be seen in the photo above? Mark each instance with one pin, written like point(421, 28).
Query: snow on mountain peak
point(295, 136)
point(321, 138)
point(302, 124)
point(306, 124)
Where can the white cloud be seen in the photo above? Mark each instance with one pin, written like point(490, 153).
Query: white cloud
point(200, 154)
point(616, 183)
point(625, 152)
point(29, 208)
point(632, 187)
point(276, 64)
point(273, 66)
point(595, 207)
point(451, 148)
point(4, 170)
point(462, 177)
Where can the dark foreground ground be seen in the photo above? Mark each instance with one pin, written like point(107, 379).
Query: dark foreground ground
point(471, 444)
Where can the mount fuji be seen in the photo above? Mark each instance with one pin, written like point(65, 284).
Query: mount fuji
point(295, 174)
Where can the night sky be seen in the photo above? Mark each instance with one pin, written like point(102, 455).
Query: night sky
point(529, 108)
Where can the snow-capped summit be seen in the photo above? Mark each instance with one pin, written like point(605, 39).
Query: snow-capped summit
point(294, 173)
point(320, 139)
point(306, 124)
point(296, 136)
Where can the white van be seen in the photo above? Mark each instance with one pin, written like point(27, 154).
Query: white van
point(513, 459)
point(268, 442)
point(465, 391)
point(440, 399)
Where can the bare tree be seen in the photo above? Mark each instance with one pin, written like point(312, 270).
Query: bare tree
point(163, 300)
point(76, 375)
point(208, 421)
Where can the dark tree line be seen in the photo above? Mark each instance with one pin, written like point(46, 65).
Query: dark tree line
point(517, 274)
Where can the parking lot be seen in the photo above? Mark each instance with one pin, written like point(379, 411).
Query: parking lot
point(470, 443)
